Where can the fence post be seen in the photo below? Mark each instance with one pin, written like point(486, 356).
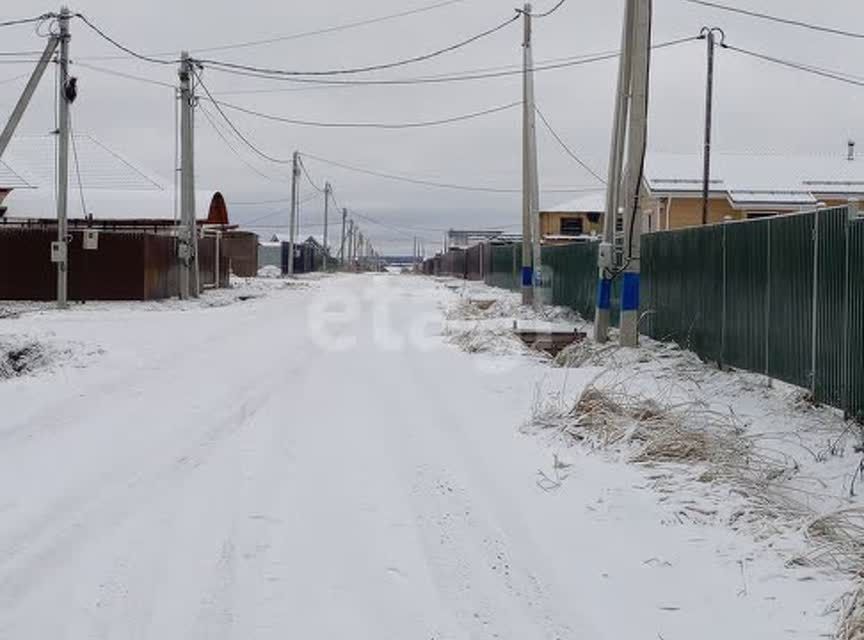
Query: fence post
point(815, 330)
point(725, 294)
point(768, 275)
point(852, 211)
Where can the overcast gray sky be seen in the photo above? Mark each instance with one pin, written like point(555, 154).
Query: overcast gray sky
point(758, 106)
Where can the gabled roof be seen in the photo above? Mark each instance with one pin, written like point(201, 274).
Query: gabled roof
point(775, 178)
point(113, 188)
point(594, 202)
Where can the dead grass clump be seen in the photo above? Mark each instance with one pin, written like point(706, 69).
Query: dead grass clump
point(852, 624)
point(20, 359)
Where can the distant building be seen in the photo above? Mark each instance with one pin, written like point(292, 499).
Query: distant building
point(746, 186)
point(573, 220)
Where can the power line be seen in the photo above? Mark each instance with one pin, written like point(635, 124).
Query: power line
point(372, 125)
point(237, 131)
point(122, 47)
point(326, 30)
point(353, 70)
point(309, 177)
point(779, 19)
point(817, 71)
point(445, 78)
point(548, 13)
point(566, 148)
point(429, 183)
point(303, 34)
point(12, 23)
point(120, 74)
point(234, 150)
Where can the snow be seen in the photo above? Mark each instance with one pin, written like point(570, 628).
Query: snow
point(314, 459)
point(757, 172)
point(594, 202)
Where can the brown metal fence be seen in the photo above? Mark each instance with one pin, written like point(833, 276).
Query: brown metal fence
point(125, 266)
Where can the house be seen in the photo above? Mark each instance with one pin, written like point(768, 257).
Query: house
point(465, 238)
point(308, 255)
point(746, 186)
point(573, 220)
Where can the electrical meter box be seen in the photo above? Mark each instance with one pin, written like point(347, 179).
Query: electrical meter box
point(183, 251)
point(606, 259)
point(58, 251)
point(91, 240)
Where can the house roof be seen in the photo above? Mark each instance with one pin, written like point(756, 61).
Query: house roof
point(763, 178)
point(113, 188)
point(594, 202)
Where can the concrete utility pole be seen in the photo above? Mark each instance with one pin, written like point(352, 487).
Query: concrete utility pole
point(637, 145)
point(342, 249)
point(351, 245)
point(62, 251)
point(710, 36)
point(327, 191)
point(531, 262)
point(188, 233)
point(606, 258)
point(292, 228)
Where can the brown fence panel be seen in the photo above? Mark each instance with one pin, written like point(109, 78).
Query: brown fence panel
point(241, 249)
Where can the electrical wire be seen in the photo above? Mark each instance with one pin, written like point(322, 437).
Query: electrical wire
point(429, 183)
point(446, 78)
point(566, 148)
point(778, 19)
point(326, 30)
point(120, 74)
point(302, 34)
point(14, 78)
point(19, 21)
point(234, 150)
point(365, 69)
point(548, 13)
point(371, 125)
point(309, 177)
point(77, 167)
point(123, 48)
point(236, 130)
point(818, 71)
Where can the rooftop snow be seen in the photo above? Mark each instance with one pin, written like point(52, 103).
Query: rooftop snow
point(732, 172)
point(590, 203)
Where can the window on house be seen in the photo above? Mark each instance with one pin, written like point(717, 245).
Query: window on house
point(753, 215)
point(572, 226)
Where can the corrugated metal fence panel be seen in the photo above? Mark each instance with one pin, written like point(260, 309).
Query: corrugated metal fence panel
point(474, 262)
point(572, 272)
point(746, 281)
point(790, 335)
point(831, 305)
point(855, 346)
point(502, 270)
point(683, 291)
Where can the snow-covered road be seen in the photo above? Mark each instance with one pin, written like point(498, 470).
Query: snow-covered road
point(273, 469)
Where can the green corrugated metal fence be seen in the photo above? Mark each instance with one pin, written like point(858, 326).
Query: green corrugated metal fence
point(767, 295)
point(570, 273)
point(505, 266)
point(855, 321)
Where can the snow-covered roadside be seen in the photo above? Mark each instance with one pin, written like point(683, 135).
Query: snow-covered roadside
point(723, 448)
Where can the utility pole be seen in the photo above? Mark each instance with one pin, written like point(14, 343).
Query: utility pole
point(531, 264)
point(351, 245)
point(295, 176)
point(188, 233)
point(606, 253)
point(342, 249)
point(62, 252)
point(710, 36)
point(637, 145)
point(327, 191)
